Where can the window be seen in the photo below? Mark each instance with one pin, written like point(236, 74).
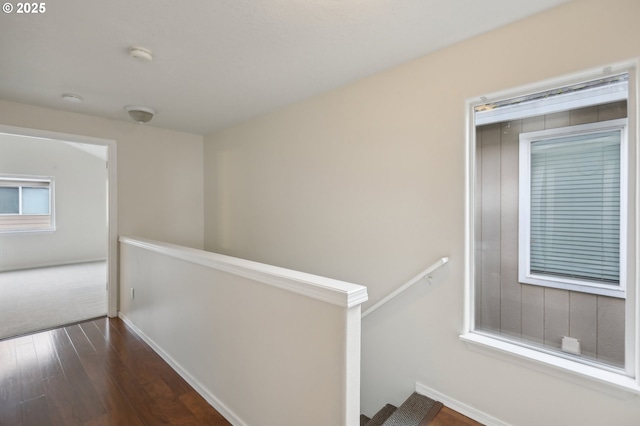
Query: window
point(572, 206)
point(551, 231)
point(26, 204)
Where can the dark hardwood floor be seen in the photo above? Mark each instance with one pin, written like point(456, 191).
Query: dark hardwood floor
point(101, 373)
point(448, 417)
point(94, 373)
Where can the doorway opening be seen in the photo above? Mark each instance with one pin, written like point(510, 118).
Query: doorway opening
point(69, 182)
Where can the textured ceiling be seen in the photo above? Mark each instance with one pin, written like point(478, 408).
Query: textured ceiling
point(219, 62)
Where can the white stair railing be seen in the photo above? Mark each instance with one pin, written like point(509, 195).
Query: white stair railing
point(424, 274)
point(185, 299)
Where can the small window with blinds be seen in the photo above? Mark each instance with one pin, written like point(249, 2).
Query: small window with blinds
point(26, 204)
point(572, 208)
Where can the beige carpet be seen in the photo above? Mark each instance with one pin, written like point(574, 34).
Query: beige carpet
point(42, 298)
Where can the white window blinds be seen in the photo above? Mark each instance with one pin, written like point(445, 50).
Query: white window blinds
point(575, 207)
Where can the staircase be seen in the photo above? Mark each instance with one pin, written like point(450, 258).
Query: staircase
point(417, 410)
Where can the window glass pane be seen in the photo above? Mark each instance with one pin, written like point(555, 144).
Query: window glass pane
point(9, 198)
point(509, 308)
point(35, 200)
point(575, 207)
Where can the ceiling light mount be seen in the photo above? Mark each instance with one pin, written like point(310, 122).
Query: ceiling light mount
point(140, 114)
point(140, 53)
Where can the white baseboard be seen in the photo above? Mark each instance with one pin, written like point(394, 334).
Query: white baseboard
point(460, 407)
point(195, 384)
point(48, 265)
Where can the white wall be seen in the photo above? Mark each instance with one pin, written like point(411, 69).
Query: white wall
point(366, 184)
point(160, 189)
point(80, 192)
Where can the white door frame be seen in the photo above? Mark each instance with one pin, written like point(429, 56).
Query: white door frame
point(112, 239)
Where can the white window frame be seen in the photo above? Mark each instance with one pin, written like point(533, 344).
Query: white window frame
point(24, 181)
point(524, 235)
point(609, 380)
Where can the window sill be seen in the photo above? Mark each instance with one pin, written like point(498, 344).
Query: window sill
point(609, 382)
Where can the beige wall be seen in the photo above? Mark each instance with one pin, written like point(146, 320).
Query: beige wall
point(366, 184)
point(159, 171)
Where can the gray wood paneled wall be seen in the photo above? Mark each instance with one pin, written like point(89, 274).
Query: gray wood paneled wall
point(533, 314)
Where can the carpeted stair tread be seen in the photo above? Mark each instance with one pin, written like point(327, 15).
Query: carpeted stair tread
point(364, 420)
point(381, 416)
point(413, 411)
